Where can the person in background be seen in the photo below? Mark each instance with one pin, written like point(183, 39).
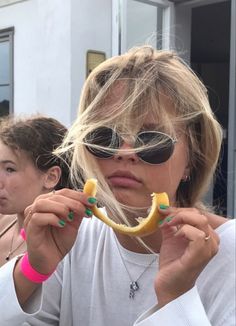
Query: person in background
point(144, 125)
point(28, 168)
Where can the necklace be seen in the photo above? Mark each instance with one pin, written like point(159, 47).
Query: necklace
point(7, 228)
point(12, 250)
point(133, 285)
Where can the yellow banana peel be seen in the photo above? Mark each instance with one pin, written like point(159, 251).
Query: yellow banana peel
point(146, 225)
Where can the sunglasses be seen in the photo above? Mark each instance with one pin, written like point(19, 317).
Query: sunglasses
point(104, 142)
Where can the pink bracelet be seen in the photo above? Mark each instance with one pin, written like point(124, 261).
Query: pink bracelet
point(23, 234)
point(30, 273)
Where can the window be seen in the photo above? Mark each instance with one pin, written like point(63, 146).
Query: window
point(6, 71)
point(138, 22)
point(144, 23)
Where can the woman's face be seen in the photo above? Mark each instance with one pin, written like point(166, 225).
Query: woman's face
point(20, 181)
point(132, 180)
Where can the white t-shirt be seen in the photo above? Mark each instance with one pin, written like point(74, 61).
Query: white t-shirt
point(91, 288)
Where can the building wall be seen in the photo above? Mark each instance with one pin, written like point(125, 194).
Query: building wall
point(23, 17)
point(53, 81)
point(50, 44)
point(91, 29)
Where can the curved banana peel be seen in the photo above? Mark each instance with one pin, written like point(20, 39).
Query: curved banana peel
point(146, 225)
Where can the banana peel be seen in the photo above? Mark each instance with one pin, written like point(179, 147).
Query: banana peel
point(146, 225)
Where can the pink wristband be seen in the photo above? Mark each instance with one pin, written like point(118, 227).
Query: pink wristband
point(23, 234)
point(30, 273)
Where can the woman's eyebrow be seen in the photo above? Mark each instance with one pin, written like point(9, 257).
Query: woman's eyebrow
point(7, 162)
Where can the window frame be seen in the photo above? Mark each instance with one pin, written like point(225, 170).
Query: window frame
point(7, 34)
point(4, 3)
point(119, 28)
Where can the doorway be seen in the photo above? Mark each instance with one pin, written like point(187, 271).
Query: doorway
point(210, 59)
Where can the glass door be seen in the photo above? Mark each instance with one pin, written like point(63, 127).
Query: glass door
point(138, 22)
point(6, 71)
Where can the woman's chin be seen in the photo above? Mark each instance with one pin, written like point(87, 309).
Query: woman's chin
point(130, 200)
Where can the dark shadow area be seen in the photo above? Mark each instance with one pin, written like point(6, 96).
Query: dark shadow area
point(210, 54)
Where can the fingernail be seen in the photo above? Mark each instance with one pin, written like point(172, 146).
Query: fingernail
point(62, 223)
point(88, 212)
point(161, 222)
point(70, 216)
point(169, 218)
point(92, 200)
point(162, 206)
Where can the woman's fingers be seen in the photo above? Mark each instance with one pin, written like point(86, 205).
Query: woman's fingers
point(198, 240)
point(192, 233)
point(67, 204)
point(69, 194)
point(40, 220)
point(61, 209)
point(180, 217)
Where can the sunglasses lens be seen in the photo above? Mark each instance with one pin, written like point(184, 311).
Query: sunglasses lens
point(102, 139)
point(161, 147)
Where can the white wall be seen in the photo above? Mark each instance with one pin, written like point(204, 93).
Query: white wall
point(23, 17)
point(41, 56)
point(50, 44)
point(91, 30)
point(53, 82)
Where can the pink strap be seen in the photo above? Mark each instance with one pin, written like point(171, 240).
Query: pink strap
point(23, 234)
point(30, 273)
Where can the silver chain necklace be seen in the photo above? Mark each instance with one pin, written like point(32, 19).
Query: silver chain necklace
point(134, 285)
point(12, 249)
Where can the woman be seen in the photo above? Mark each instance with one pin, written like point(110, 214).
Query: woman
point(144, 126)
point(27, 169)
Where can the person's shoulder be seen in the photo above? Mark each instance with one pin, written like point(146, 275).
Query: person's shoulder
point(224, 227)
point(227, 232)
point(6, 221)
point(92, 232)
point(92, 228)
point(227, 229)
point(91, 225)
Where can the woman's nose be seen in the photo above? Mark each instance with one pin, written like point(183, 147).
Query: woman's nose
point(126, 153)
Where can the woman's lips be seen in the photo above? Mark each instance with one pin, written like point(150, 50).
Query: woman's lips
point(2, 200)
point(124, 180)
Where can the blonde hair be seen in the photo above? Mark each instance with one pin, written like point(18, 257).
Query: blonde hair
point(144, 74)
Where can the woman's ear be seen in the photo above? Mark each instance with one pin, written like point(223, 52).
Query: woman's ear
point(186, 174)
point(52, 177)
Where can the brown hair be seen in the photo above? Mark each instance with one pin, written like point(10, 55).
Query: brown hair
point(38, 137)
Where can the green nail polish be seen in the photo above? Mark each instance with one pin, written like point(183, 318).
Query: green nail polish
point(92, 200)
point(62, 223)
point(70, 216)
point(88, 212)
point(162, 206)
point(168, 219)
point(161, 222)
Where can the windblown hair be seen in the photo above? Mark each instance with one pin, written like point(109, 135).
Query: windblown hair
point(38, 137)
point(144, 74)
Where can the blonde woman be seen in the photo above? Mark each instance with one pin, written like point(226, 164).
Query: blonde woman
point(144, 126)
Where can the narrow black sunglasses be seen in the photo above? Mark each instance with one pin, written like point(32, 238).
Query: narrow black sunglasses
point(103, 143)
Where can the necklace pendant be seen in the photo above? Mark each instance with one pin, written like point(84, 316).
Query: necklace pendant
point(8, 257)
point(133, 287)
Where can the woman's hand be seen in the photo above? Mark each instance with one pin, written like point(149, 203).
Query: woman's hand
point(188, 244)
point(51, 226)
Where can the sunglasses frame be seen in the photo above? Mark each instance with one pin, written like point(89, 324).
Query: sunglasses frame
point(121, 141)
